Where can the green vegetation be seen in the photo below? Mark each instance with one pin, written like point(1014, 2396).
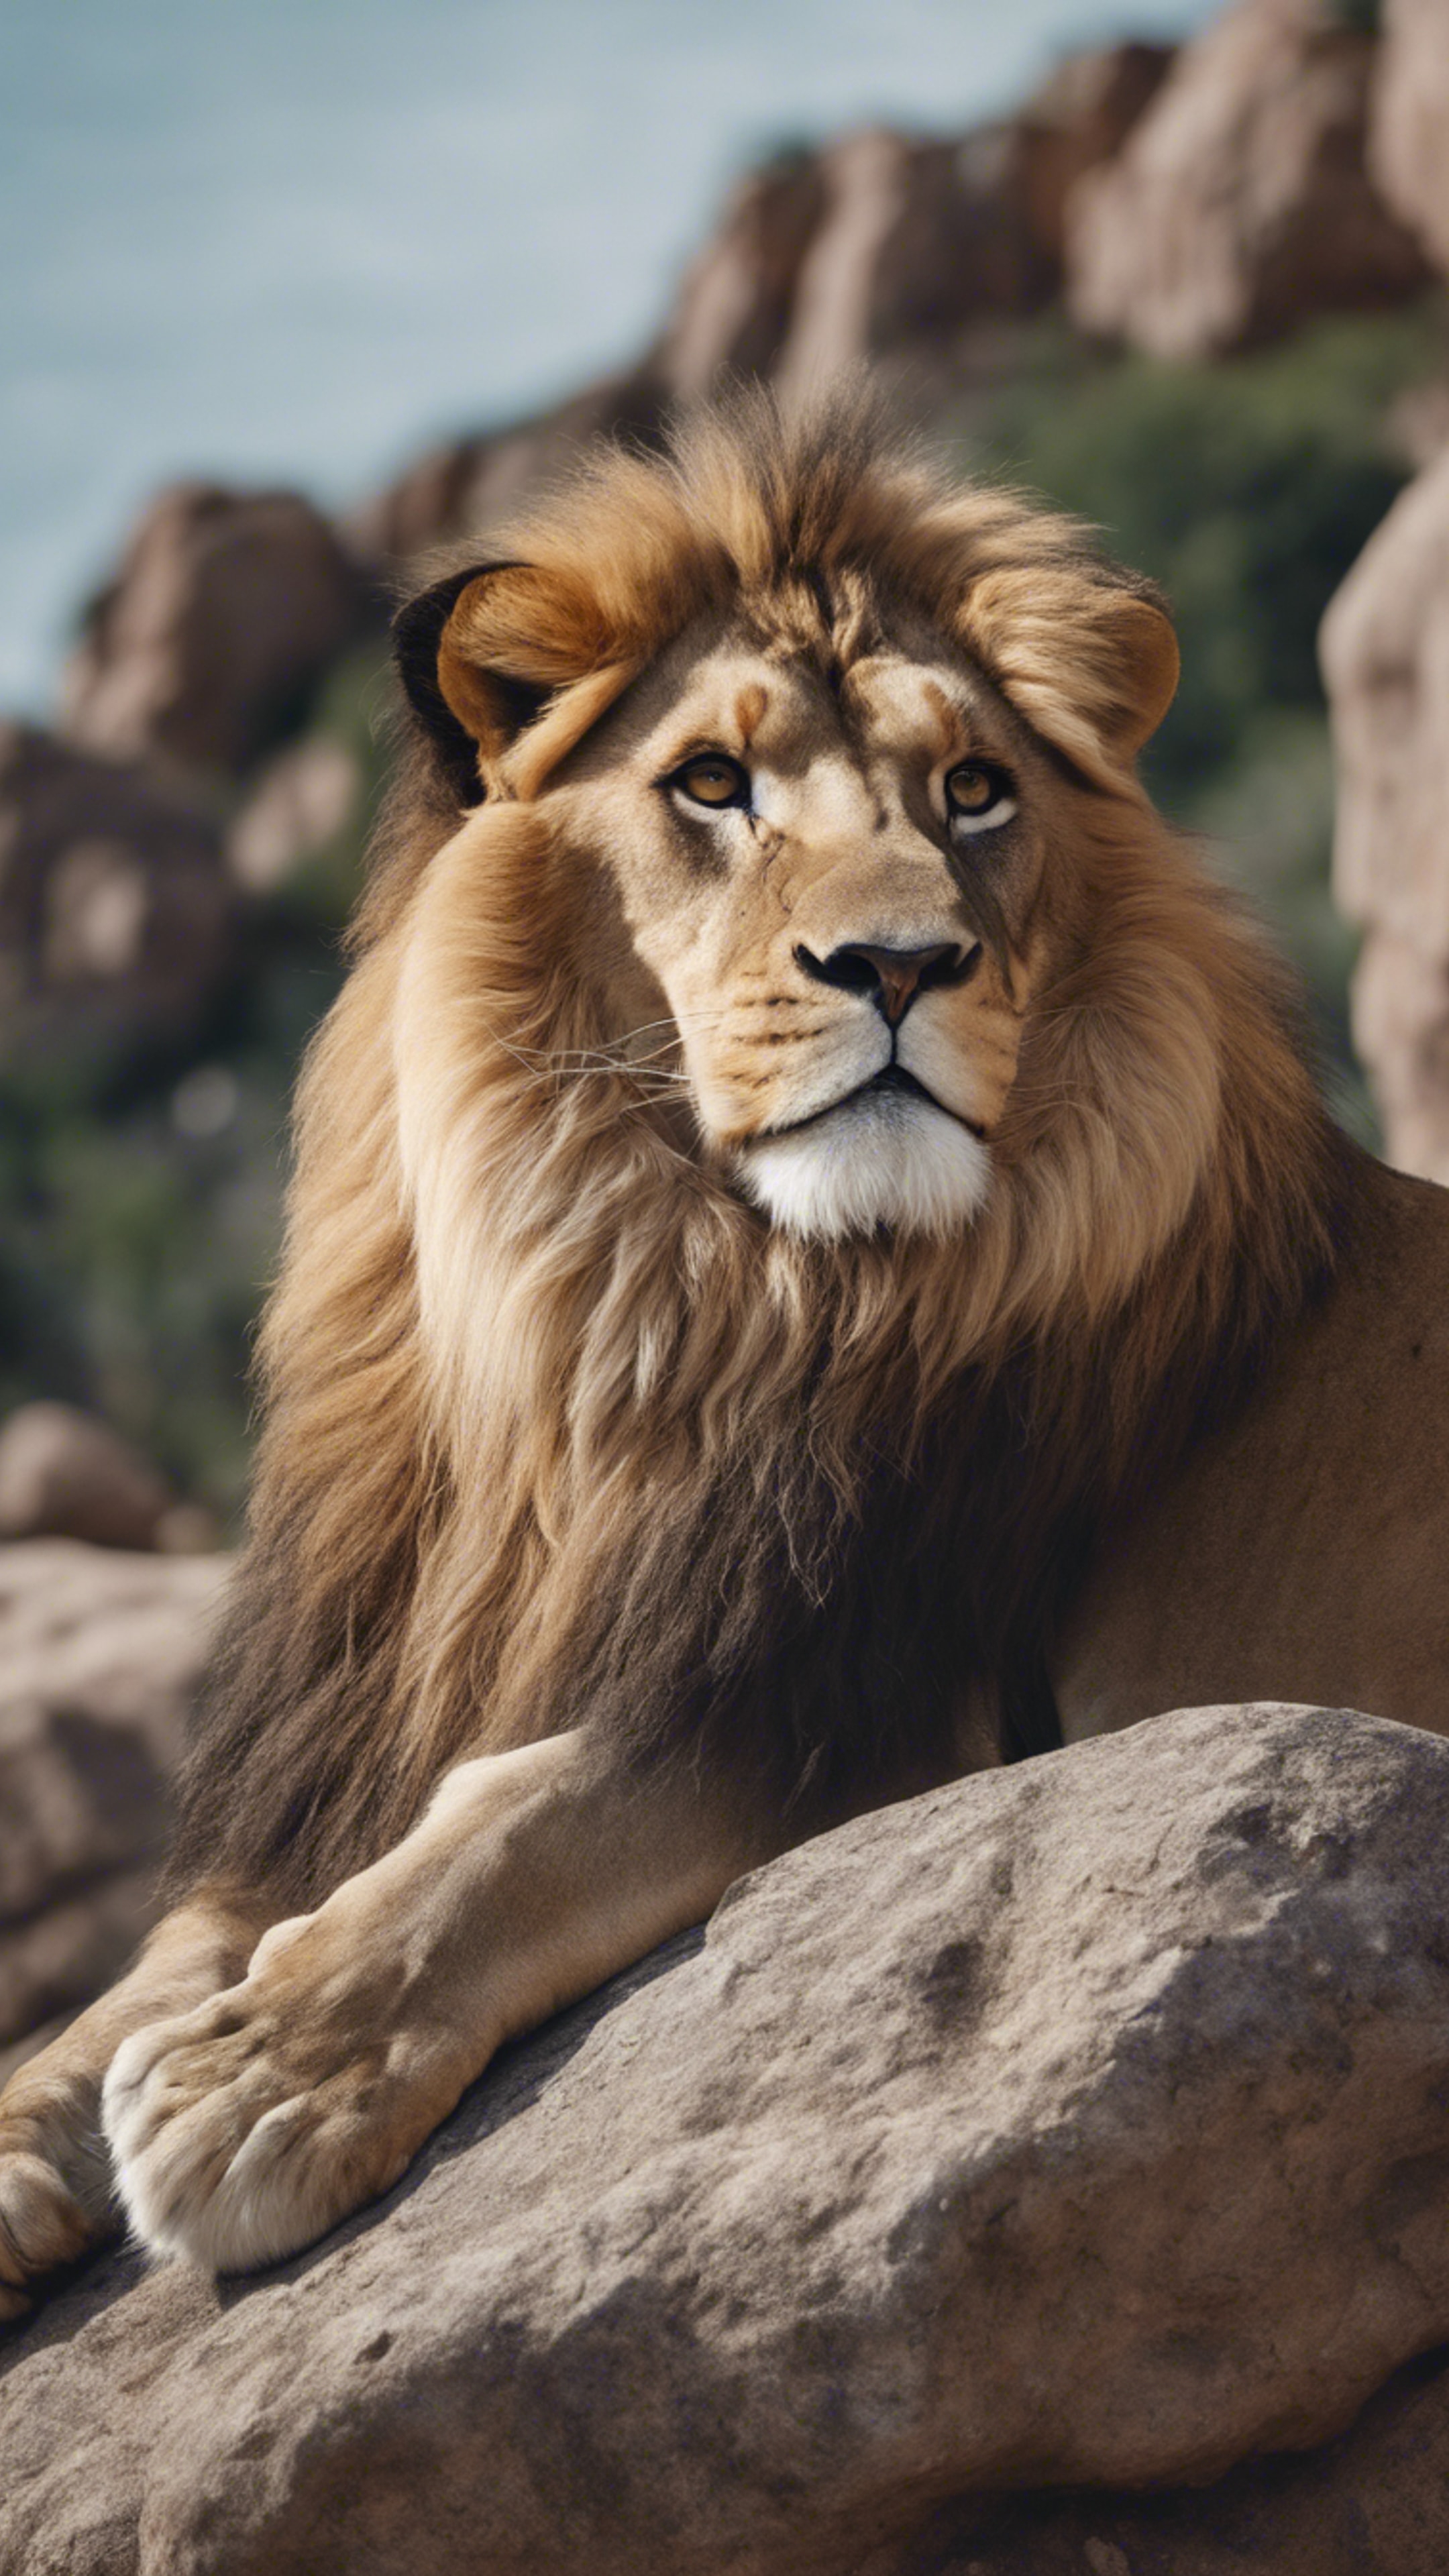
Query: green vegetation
point(139, 1202)
point(140, 1199)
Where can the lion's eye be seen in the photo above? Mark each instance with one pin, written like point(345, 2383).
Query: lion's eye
point(978, 796)
point(713, 780)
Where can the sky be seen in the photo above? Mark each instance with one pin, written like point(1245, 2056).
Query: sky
point(294, 240)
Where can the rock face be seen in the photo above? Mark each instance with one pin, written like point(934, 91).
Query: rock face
point(1386, 661)
point(1078, 120)
point(1241, 205)
point(1409, 138)
point(115, 908)
point(225, 612)
point(1076, 2125)
point(99, 1655)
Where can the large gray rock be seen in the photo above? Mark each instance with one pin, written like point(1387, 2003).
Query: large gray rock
point(100, 1653)
point(1409, 133)
point(224, 614)
point(1385, 648)
point(1241, 205)
point(1081, 2124)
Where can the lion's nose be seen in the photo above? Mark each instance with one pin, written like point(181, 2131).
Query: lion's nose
point(892, 976)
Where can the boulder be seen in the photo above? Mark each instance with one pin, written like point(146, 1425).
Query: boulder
point(208, 644)
point(1241, 204)
point(1079, 2125)
point(116, 915)
point(1409, 133)
point(64, 1474)
point(100, 1653)
point(1385, 649)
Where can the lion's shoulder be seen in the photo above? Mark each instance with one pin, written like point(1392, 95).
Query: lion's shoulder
point(1299, 1552)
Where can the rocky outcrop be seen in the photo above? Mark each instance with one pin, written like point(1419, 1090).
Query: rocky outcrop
point(879, 246)
point(1077, 121)
point(64, 1474)
point(461, 487)
point(1241, 206)
point(1386, 661)
point(226, 611)
point(115, 908)
point(1079, 2125)
point(1409, 137)
point(100, 1653)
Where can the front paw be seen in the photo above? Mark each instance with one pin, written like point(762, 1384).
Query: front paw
point(244, 2129)
point(43, 2224)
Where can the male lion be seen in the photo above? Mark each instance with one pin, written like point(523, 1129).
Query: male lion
point(814, 1262)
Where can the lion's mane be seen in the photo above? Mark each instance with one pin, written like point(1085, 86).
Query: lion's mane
point(557, 1430)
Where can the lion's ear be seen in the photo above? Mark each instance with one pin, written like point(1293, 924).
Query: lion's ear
point(1091, 662)
point(485, 651)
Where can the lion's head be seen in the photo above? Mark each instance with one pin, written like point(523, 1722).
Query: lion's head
point(800, 1137)
point(821, 742)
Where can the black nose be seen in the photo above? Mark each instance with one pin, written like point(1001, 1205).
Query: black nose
point(892, 976)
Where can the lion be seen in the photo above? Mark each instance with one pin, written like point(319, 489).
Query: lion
point(815, 1263)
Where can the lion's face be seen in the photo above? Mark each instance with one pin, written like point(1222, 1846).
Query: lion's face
point(831, 881)
point(819, 744)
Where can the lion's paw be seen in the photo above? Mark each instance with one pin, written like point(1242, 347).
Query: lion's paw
point(244, 2129)
point(42, 2224)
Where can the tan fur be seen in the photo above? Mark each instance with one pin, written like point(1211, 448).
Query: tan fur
point(566, 1446)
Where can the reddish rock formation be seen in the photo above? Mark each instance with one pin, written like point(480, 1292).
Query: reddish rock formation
point(1241, 206)
point(1409, 135)
point(115, 909)
point(1386, 662)
point(225, 612)
point(1078, 119)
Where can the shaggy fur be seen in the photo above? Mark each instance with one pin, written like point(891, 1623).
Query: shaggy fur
point(558, 1430)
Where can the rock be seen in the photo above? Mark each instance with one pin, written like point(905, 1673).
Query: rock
point(1077, 2125)
point(301, 801)
point(63, 1474)
point(1409, 133)
point(1241, 205)
point(115, 911)
point(917, 241)
point(1080, 118)
point(100, 1653)
point(735, 303)
point(1373, 2503)
point(460, 488)
point(208, 645)
point(1385, 648)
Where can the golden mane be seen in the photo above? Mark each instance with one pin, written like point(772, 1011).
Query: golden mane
point(557, 1428)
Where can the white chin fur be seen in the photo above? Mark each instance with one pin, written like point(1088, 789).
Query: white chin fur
point(881, 1159)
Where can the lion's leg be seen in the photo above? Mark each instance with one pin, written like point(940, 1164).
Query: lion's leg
point(57, 2198)
point(249, 2126)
